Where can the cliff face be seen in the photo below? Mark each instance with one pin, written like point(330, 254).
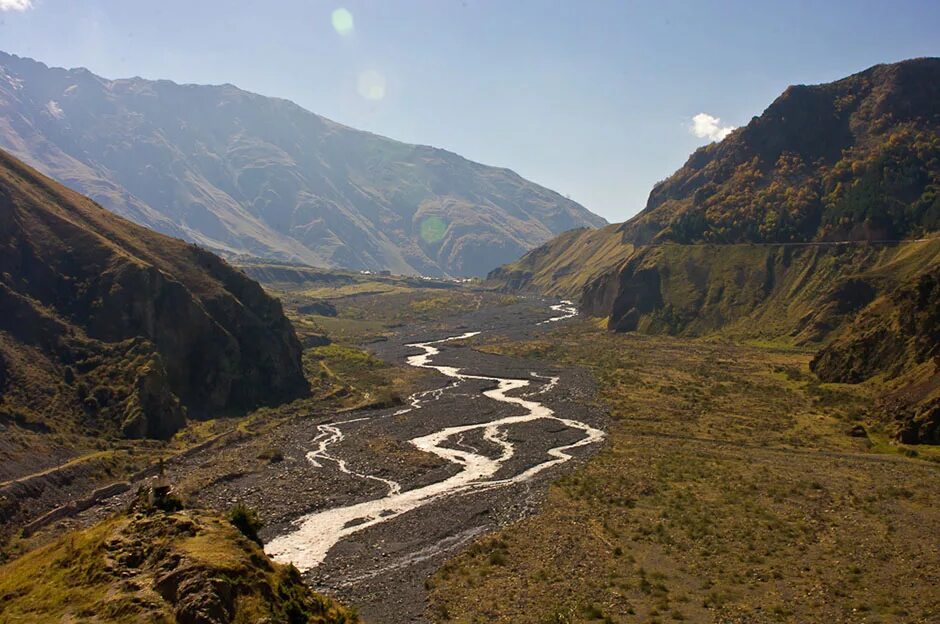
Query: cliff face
point(898, 336)
point(127, 327)
point(147, 565)
point(803, 294)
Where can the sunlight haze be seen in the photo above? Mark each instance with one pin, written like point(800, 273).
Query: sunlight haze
point(596, 100)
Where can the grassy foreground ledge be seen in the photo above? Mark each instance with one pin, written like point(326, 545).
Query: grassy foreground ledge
point(183, 566)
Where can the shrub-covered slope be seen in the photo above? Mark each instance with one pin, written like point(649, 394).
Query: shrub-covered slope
point(855, 159)
point(566, 264)
point(105, 325)
point(246, 174)
point(799, 293)
point(822, 210)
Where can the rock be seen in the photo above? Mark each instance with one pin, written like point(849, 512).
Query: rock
point(857, 431)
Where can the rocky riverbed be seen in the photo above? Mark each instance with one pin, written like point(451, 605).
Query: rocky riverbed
point(381, 513)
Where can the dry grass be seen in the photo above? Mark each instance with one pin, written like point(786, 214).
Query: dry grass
point(728, 492)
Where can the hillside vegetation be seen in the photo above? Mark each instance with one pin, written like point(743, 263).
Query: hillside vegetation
point(242, 173)
point(150, 565)
point(856, 159)
point(108, 326)
point(728, 491)
point(821, 211)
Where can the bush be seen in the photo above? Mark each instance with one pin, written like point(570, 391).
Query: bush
point(272, 455)
point(247, 521)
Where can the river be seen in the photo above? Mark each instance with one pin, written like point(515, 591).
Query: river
point(313, 535)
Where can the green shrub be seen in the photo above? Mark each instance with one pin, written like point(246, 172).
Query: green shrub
point(271, 455)
point(247, 521)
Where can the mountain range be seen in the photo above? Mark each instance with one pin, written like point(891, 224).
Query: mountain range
point(244, 174)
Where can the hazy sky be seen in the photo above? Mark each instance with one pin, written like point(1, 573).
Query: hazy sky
point(597, 100)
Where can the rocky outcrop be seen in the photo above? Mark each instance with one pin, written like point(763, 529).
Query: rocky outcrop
point(897, 336)
point(133, 328)
point(158, 563)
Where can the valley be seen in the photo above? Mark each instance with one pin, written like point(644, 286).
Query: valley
point(710, 479)
point(368, 500)
point(724, 409)
point(734, 487)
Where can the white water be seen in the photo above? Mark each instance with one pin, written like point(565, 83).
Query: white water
point(567, 309)
point(307, 546)
point(331, 434)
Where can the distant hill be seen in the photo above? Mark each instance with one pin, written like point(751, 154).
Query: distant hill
point(815, 224)
point(245, 174)
point(108, 327)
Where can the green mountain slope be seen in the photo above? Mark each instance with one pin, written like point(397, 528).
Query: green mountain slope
point(245, 174)
point(566, 264)
point(856, 159)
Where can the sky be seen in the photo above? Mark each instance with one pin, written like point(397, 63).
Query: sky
point(597, 100)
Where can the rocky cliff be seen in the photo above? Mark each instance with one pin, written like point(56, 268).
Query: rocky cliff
point(154, 565)
point(896, 336)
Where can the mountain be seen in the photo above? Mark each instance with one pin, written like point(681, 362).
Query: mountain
point(816, 224)
point(854, 160)
point(108, 327)
point(245, 174)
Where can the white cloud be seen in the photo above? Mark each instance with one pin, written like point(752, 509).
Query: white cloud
point(15, 5)
point(705, 126)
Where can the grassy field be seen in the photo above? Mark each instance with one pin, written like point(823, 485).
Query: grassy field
point(729, 491)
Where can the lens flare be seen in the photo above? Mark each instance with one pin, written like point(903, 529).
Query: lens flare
point(342, 21)
point(371, 85)
point(433, 229)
